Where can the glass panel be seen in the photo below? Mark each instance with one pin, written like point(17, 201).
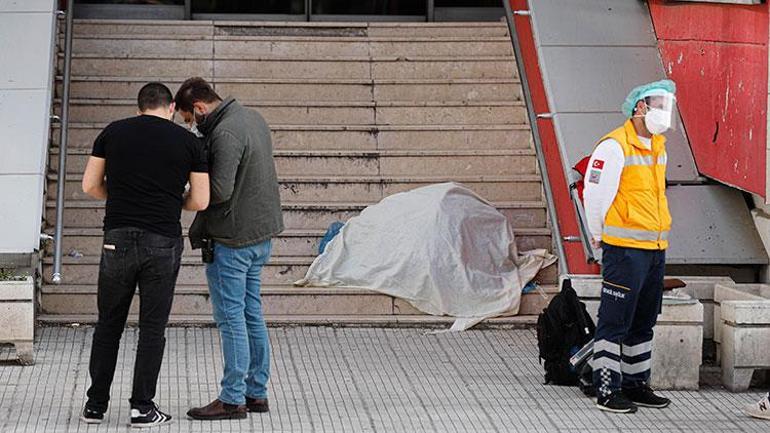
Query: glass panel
point(369, 7)
point(469, 3)
point(133, 2)
point(288, 7)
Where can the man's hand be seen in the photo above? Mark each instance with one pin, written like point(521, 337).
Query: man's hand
point(596, 244)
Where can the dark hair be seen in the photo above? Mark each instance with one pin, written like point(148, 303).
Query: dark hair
point(154, 95)
point(194, 90)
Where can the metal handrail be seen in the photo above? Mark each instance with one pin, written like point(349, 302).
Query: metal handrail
point(532, 116)
point(64, 126)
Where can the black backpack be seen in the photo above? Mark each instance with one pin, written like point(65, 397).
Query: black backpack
point(562, 329)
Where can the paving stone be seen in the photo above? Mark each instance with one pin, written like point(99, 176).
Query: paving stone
point(349, 380)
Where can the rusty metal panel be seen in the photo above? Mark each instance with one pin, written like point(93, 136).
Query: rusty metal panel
point(735, 2)
point(724, 105)
point(709, 22)
point(722, 69)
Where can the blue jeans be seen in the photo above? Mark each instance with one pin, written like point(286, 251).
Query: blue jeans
point(234, 282)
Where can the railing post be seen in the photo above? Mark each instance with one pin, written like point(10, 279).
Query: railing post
point(62, 178)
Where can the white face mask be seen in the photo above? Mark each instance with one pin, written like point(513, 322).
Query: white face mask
point(657, 121)
point(193, 127)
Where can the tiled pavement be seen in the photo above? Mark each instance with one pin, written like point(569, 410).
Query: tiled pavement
point(350, 380)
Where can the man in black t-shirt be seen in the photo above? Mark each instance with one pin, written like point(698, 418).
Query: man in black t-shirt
point(141, 166)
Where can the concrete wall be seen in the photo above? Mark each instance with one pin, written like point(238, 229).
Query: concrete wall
point(26, 53)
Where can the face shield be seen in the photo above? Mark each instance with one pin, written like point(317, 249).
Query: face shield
point(660, 112)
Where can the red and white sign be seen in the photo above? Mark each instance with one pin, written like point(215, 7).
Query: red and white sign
point(598, 164)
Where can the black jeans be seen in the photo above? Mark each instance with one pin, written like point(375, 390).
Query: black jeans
point(132, 257)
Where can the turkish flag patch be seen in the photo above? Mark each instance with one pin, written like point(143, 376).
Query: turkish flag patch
point(598, 164)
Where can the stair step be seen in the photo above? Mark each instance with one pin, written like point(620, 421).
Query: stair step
point(379, 68)
point(325, 113)
point(369, 188)
point(248, 47)
point(281, 270)
point(255, 47)
point(416, 321)
point(139, 28)
point(362, 137)
point(276, 301)
point(506, 162)
point(85, 270)
point(439, 90)
point(88, 241)
point(298, 215)
point(481, 29)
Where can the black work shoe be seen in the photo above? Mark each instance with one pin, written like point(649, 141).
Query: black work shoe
point(149, 418)
point(90, 416)
point(616, 403)
point(644, 396)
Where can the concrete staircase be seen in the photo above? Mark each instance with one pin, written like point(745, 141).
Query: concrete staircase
point(358, 112)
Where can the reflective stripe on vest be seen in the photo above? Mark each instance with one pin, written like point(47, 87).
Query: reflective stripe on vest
point(638, 160)
point(645, 160)
point(637, 235)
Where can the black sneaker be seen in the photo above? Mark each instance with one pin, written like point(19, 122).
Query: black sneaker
point(151, 418)
point(616, 403)
point(645, 396)
point(90, 416)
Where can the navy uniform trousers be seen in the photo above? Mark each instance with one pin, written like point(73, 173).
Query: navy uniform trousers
point(631, 297)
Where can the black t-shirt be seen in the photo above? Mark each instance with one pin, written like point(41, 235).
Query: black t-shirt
point(148, 164)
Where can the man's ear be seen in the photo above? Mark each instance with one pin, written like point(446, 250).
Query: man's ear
point(640, 104)
point(171, 111)
point(201, 107)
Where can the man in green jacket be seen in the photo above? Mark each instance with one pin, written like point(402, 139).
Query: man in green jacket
point(243, 216)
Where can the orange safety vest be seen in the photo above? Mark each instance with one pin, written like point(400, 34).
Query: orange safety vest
point(639, 216)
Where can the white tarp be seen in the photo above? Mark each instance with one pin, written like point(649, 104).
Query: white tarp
point(442, 248)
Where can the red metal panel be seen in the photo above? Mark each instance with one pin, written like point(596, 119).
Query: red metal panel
point(717, 54)
point(710, 22)
point(723, 98)
point(565, 213)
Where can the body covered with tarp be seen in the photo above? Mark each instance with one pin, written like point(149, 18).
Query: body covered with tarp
point(442, 248)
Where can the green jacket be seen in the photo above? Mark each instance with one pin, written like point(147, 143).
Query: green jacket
point(245, 206)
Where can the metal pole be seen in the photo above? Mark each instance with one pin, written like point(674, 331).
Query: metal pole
point(431, 10)
point(57, 258)
point(536, 137)
point(188, 9)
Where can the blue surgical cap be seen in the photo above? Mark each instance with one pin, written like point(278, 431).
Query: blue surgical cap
point(645, 90)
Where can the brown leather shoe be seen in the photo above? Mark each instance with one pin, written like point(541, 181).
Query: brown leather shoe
point(258, 405)
point(217, 410)
point(673, 283)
